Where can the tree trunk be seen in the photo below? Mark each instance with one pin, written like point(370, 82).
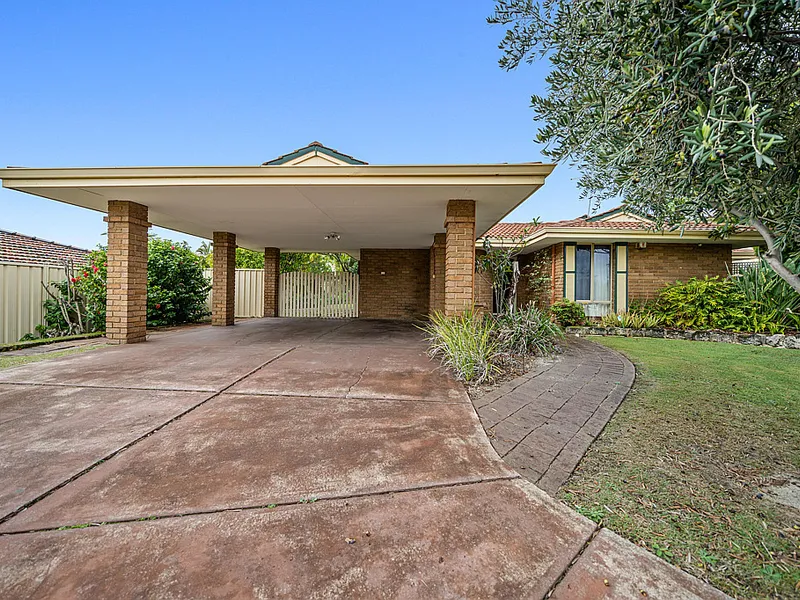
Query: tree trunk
point(773, 254)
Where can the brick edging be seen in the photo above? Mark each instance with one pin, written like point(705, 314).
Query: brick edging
point(777, 340)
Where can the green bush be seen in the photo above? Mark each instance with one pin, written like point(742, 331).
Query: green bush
point(527, 331)
point(176, 287)
point(775, 304)
point(638, 319)
point(709, 303)
point(568, 313)
point(468, 344)
point(176, 291)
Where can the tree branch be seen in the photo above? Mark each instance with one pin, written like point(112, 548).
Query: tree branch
point(773, 255)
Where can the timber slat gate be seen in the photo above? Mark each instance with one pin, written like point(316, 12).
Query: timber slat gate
point(321, 295)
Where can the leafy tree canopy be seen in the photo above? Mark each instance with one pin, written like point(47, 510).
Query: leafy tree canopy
point(687, 110)
point(312, 262)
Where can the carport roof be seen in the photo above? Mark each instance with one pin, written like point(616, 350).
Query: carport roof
point(294, 207)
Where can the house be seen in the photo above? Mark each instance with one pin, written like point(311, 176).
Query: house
point(607, 260)
point(413, 227)
point(16, 248)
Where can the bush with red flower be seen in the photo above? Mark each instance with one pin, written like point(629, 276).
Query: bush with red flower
point(176, 291)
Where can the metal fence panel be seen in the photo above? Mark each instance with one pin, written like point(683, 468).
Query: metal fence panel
point(22, 297)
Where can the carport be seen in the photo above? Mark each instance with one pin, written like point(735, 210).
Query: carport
point(412, 226)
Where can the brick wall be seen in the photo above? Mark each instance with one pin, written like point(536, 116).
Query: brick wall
point(272, 270)
point(436, 296)
point(484, 295)
point(126, 301)
point(459, 266)
point(394, 284)
point(223, 293)
point(651, 268)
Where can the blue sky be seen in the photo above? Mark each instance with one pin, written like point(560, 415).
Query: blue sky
point(221, 83)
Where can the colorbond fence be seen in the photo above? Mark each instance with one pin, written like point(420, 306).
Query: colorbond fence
point(22, 298)
point(249, 292)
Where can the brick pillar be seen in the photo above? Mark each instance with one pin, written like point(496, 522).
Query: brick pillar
point(126, 300)
point(459, 269)
point(223, 293)
point(272, 270)
point(436, 303)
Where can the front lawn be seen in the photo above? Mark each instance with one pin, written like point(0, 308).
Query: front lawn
point(7, 361)
point(687, 465)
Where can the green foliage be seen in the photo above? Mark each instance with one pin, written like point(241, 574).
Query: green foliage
point(176, 291)
point(527, 331)
point(686, 111)
point(773, 299)
point(633, 320)
point(499, 261)
point(476, 347)
point(176, 287)
point(249, 259)
point(709, 303)
point(467, 344)
point(568, 313)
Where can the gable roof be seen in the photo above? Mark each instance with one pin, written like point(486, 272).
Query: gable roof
point(314, 149)
point(24, 249)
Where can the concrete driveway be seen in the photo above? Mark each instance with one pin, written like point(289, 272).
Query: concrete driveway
point(280, 458)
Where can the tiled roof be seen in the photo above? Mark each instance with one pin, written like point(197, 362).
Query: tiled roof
point(18, 248)
point(515, 230)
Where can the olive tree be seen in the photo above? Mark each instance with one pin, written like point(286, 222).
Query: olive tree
point(686, 110)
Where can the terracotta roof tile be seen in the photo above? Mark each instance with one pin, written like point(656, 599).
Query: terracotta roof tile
point(18, 248)
point(512, 230)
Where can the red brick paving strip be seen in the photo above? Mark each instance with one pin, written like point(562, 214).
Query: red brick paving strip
point(543, 422)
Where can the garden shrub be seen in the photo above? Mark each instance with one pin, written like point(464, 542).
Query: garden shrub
point(468, 344)
point(634, 319)
point(527, 331)
point(776, 306)
point(568, 313)
point(176, 291)
point(709, 303)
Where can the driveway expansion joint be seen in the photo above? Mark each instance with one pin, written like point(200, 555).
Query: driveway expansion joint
point(7, 517)
point(311, 499)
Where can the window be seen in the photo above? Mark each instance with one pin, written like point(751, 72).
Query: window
point(593, 278)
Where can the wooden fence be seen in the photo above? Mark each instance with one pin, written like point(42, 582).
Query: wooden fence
point(324, 295)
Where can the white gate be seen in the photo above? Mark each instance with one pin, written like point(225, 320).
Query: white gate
point(323, 295)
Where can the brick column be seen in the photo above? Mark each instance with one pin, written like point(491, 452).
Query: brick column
point(223, 293)
point(126, 300)
point(272, 270)
point(436, 303)
point(459, 269)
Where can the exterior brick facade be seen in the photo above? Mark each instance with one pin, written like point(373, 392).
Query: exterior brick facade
point(272, 271)
point(223, 294)
point(459, 279)
point(126, 304)
point(483, 295)
point(651, 268)
point(436, 299)
point(394, 284)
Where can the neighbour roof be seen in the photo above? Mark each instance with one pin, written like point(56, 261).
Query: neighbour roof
point(600, 221)
point(19, 248)
point(314, 148)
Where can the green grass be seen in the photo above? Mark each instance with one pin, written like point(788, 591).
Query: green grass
point(46, 341)
point(683, 466)
point(7, 362)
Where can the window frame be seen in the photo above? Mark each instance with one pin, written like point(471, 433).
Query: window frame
point(592, 272)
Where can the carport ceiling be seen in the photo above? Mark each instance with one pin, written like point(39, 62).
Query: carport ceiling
point(295, 207)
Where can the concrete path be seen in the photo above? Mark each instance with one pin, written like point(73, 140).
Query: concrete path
point(281, 459)
point(543, 422)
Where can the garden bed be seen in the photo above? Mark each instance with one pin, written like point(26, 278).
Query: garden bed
point(44, 341)
point(778, 340)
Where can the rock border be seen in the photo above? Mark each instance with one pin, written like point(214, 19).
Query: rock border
point(777, 340)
